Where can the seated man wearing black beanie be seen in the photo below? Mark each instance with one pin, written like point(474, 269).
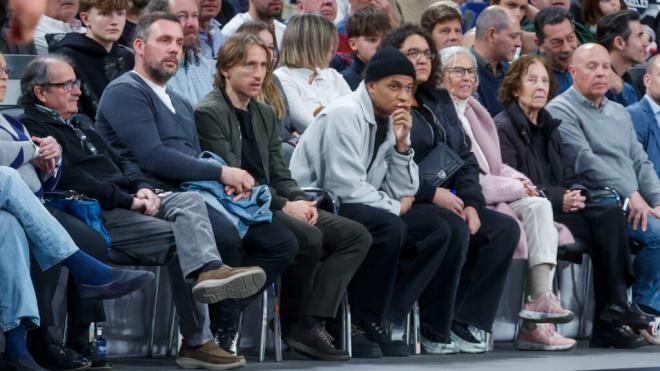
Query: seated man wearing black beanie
point(359, 147)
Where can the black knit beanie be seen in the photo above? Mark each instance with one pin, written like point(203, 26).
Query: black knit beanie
point(388, 61)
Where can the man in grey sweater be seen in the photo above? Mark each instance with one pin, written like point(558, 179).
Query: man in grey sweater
point(601, 143)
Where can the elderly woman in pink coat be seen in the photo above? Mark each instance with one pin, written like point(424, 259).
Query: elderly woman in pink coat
point(509, 191)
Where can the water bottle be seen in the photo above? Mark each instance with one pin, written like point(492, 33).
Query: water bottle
point(101, 344)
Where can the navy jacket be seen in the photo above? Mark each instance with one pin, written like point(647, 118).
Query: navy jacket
point(647, 130)
point(138, 125)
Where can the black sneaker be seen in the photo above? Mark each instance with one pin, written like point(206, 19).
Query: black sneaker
point(377, 332)
point(227, 339)
point(55, 356)
point(632, 316)
point(361, 346)
point(88, 350)
point(468, 339)
point(315, 343)
point(611, 336)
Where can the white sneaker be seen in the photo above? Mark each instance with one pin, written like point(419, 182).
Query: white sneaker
point(432, 347)
point(469, 339)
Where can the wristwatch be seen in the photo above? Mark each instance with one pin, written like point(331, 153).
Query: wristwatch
point(36, 149)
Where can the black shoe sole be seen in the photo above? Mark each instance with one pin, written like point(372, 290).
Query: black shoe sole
point(606, 344)
point(371, 354)
point(308, 351)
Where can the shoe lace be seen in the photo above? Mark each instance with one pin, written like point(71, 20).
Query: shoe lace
point(378, 327)
point(324, 335)
point(356, 329)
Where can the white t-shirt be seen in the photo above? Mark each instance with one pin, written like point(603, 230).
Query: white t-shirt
point(161, 92)
point(240, 18)
point(304, 97)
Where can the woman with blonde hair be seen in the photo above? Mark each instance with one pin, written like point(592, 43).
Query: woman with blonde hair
point(308, 46)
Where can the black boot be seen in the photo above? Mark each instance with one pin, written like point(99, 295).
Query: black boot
point(314, 342)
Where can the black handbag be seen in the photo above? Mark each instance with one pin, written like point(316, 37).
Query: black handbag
point(441, 162)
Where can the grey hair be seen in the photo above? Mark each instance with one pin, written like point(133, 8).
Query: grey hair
point(492, 17)
point(37, 73)
point(159, 6)
point(448, 54)
point(650, 64)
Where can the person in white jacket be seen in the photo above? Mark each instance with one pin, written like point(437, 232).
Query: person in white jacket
point(359, 147)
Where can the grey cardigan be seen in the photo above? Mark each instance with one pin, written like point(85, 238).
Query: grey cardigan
point(602, 145)
point(336, 149)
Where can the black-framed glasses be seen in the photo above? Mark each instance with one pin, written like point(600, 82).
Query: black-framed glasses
point(67, 85)
point(415, 53)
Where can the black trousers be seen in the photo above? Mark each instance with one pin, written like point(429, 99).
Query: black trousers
point(330, 253)
point(603, 228)
point(405, 254)
point(484, 273)
point(271, 246)
point(80, 311)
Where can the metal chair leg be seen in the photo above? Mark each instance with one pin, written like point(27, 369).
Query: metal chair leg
point(585, 296)
point(346, 327)
point(406, 329)
point(173, 332)
point(416, 340)
point(264, 326)
point(152, 328)
point(277, 325)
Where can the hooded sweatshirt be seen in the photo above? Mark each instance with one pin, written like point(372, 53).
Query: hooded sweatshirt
point(94, 66)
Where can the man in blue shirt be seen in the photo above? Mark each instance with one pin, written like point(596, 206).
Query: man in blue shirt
point(556, 40)
point(497, 37)
point(645, 114)
point(621, 34)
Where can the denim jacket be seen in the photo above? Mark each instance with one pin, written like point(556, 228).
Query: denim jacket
point(241, 213)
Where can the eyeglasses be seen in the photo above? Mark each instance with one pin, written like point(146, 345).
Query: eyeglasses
point(5, 70)
point(459, 72)
point(67, 85)
point(415, 53)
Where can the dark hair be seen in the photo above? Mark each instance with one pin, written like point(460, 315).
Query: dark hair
point(368, 21)
point(550, 16)
point(514, 75)
point(397, 37)
point(591, 13)
point(37, 73)
point(439, 14)
point(145, 22)
point(615, 25)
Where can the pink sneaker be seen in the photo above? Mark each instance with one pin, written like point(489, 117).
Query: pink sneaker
point(543, 337)
point(545, 308)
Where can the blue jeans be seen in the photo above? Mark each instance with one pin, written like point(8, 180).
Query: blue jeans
point(23, 218)
point(646, 288)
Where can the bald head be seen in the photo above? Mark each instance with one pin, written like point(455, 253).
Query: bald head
point(497, 35)
point(493, 17)
point(652, 78)
point(591, 69)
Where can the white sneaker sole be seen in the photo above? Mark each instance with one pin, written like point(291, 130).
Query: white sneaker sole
point(467, 347)
point(237, 286)
point(526, 345)
point(430, 347)
point(191, 363)
point(543, 317)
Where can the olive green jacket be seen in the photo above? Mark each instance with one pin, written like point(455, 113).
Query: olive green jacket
point(220, 133)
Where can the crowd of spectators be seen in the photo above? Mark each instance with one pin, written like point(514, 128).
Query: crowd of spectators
point(192, 131)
